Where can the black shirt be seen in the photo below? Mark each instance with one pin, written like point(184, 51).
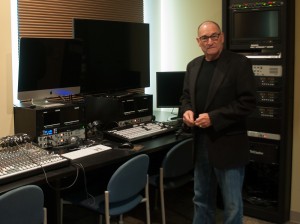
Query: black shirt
point(203, 83)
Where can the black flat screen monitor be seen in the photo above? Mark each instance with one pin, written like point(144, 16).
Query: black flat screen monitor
point(249, 29)
point(266, 25)
point(117, 55)
point(169, 88)
point(49, 67)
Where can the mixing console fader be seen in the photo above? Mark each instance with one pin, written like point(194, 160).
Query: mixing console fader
point(26, 159)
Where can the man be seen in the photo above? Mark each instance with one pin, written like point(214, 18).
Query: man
point(218, 95)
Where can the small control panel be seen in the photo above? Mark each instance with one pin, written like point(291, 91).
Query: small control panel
point(267, 70)
point(268, 76)
point(268, 97)
point(268, 112)
point(134, 121)
point(268, 82)
point(256, 4)
point(53, 138)
point(263, 135)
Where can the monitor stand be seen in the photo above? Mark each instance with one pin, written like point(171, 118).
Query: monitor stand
point(173, 118)
point(120, 94)
point(45, 103)
point(176, 115)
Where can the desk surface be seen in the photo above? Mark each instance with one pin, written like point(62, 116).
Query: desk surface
point(51, 185)
point(97, 161)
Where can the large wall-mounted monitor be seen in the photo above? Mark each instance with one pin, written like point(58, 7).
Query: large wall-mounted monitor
point(116, 55)
point(49, 67)
point(169, 85)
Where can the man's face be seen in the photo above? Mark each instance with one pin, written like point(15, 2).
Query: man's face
point(211, 40)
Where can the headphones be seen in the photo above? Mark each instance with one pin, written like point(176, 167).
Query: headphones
point(93, 129)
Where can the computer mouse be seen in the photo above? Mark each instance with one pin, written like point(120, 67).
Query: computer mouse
point(126, 145)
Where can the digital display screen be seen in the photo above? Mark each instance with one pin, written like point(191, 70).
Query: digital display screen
point(169, 89)
point(71, 114)
point(143, 104)
point(255, 24)
point(129, 106)
point(51, 118)
point(117, 55)
point(50, 131)
point(49, 63)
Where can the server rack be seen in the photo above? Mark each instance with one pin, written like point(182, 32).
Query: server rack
point(267, 185)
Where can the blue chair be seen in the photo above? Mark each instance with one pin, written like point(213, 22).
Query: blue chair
point(23, 205)
point(123, 193)
point(176, 170)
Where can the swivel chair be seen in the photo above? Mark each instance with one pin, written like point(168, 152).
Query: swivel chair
point(23, 205)
point(176, 170)
point(123, 193)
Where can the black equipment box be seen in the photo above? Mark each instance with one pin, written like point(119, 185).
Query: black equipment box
point(122, 110)
point(51, 126)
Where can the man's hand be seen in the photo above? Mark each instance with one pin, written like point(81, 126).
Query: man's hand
point(203, 121)
point(188, 118)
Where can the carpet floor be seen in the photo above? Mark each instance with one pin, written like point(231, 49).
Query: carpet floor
point(179, 210)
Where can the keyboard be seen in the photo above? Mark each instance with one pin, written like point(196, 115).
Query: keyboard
point(83, 152)
point(27, 160)
point(136, 132)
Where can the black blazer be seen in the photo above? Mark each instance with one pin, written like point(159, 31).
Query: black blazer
point(231, 98)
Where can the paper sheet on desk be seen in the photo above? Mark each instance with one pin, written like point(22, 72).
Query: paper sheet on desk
point(137, 147)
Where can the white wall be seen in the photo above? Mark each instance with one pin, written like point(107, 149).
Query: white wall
point(173, 32)
point(6, 97)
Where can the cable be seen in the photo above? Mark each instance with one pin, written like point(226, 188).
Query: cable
point(44, 171)
point(78, 166)
point(88, 195)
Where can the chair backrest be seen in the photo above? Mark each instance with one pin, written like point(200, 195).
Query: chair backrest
point(129, 179)
point(179, 160)
point(22, 205)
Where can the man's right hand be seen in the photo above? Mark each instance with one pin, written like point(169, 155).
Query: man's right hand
point(188, 118)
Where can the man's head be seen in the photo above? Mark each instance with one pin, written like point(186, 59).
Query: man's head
point(210, 39)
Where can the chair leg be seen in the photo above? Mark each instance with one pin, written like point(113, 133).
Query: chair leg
point(156, 199)
point(61, 211)
point(45, 216)
point(162, 197)
point(147, 201)
point(121, 221)
point(100, 219)
point(107, 216)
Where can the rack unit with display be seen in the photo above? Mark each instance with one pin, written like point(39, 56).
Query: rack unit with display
point(264, 32)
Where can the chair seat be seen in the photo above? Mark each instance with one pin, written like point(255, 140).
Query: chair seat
point(97, 204)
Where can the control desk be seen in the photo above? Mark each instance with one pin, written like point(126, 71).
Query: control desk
point(53, 185)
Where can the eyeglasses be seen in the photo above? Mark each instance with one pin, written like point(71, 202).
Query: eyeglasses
point(213, 37)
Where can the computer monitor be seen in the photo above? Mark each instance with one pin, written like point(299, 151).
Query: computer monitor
point(265, 35)
point(169, 86)
point(116, 55)
point(49, 67)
